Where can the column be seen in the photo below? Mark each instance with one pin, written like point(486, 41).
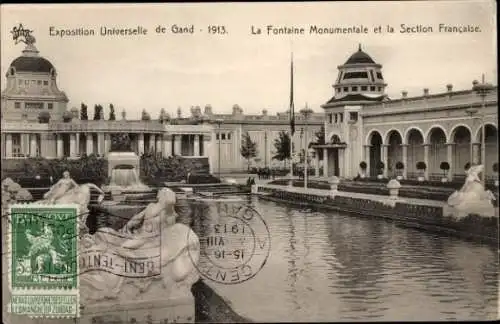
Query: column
point(152, 145)
point(140, 143)
point(77, 147)
point(426, 161)
point(33, 145)
point(405, 160)
point(8, 145)
point(316, 163)
point(476, 153)
point(46, 145)
point(167, 145)
point(158, 143)
point(72, 145)
point(385, 149)
point(367, 159)
point(325, 163)
point(23, 144)
point(89, 149)
point(60, 147)
point(342, 170)
point(209, 145)
point(107, 143)
point(196, 145)
point(100, 143)
point(449, 159)
point(178, 145)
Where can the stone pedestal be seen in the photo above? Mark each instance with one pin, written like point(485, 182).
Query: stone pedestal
point(393, 187)
point(173, 310)
point(334, 184)
point(117, 158)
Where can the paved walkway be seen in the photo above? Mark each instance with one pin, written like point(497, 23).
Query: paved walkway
point(381, 198)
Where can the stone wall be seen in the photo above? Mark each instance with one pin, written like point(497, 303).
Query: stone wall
point(430, 218)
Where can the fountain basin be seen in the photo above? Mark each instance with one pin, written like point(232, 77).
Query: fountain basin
point(111, 214)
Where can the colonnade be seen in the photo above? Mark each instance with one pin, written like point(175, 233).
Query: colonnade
point(73, 145)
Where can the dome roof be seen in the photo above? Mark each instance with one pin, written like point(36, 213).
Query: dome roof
point(32, 64)
point(359, 57)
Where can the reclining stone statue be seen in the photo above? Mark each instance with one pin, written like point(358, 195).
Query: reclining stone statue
point(146, 234)
point(472, 198)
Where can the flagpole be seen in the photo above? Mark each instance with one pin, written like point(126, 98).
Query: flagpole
point(292, 119)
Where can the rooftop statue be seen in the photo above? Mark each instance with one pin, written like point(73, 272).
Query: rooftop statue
point(472, 198)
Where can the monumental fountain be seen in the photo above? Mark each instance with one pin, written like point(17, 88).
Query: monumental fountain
point(161, 254)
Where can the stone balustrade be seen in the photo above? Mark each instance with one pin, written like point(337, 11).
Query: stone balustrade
point(132, 126)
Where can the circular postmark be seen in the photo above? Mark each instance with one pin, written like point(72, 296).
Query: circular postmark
point(234, 243)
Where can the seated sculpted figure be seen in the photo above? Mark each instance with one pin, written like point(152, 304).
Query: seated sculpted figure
point(147, 235)
point(471, 198)
point(67, 191)
point(59, 189)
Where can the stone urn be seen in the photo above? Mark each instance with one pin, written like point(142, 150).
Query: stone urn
point(334, 183)
point(399, 177)
point(443, 180)
point(393, 187)
point(380, 176)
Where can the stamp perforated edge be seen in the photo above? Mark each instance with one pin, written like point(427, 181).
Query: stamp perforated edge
point(56, 291)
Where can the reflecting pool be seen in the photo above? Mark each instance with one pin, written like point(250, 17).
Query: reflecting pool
point(325, 266)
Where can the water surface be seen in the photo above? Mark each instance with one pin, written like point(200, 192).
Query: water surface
point(325, 266)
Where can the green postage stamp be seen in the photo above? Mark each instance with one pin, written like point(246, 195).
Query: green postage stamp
point(43, 266)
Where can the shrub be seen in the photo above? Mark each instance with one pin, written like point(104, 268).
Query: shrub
point(44, 117)
point(421, 165)
point(400, 165)
point(67, 116)
point(445, 166)
point(495, 167)
point(363, 165)
point(467, 166)
point(380, 166)
point(173, 168)
point(202, 178)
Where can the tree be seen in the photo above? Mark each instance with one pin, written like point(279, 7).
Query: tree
point(445, 166)
point(380, 167)
point(320, 140)
point(248, 148)
point(399, 166)
point(282, 146)
point(112, 115)
point(98, 112)
point(83, 112)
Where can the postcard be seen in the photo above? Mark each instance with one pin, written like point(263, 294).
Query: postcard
point(249, 162)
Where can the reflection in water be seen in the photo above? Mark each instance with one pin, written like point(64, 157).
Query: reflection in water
point(292, 262)
point(332, 267)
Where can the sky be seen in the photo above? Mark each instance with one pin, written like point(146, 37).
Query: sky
point(168, 71)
